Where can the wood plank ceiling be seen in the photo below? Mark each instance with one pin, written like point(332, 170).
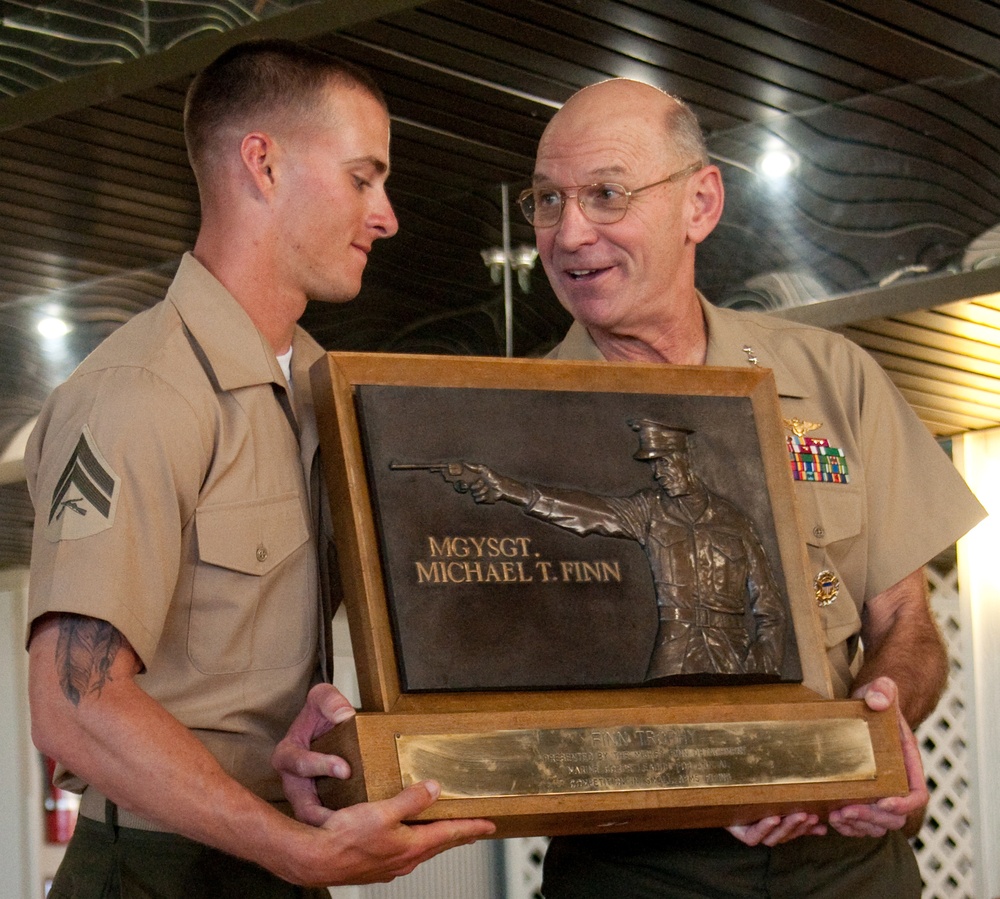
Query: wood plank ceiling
point(946, 361)
point(890, 108)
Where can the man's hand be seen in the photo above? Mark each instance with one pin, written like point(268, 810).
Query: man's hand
point(369, 843)
point(874, 820)
point(777, 829)
point(491, 487)
point(895, 812)
point(298, 765)
point(364, 843)
point(481, 482)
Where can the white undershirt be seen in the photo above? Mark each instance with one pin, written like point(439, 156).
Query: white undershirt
point(285, 361)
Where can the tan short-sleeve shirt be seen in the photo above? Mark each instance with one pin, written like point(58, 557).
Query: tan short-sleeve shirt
point(903, 502)
point(172, 498)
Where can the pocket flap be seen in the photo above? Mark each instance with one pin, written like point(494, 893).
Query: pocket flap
point(834, 515)
point(251, 537)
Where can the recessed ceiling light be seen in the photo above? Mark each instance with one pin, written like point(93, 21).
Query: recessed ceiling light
point(51, 327)
point(775, 164)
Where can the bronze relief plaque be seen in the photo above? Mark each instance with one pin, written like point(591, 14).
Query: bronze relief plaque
point(578, 599)
point(609, 578)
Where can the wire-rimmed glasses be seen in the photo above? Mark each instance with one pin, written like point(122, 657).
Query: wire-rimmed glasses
point(603, 203)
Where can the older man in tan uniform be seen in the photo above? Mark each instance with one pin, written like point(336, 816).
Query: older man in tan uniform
point(178, 605)
point(622, 194)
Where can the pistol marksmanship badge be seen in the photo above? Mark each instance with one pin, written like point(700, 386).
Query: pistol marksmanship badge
point(827, 587)
point(812, 458)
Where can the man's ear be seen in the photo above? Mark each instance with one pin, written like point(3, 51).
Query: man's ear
point(706, 198)
point(258, 151)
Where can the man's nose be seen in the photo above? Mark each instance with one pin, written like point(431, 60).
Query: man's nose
point(574, 228)
point(384, 218)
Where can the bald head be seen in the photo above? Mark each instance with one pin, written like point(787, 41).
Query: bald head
point(610, 106)
point(627, 276)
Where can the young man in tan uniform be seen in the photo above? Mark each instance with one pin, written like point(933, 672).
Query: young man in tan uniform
point(179, 610)
point(622, 195)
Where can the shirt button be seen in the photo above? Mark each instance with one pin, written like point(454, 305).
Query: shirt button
point(261, 553)
point(817, 532)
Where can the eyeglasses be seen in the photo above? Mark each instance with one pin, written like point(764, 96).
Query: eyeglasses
point(603, 204)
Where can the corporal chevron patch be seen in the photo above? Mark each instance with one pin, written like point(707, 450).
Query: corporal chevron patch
point(86, 496)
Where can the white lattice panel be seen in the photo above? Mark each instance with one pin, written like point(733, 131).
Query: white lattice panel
point(468, 872)
point(943, 846)
point(523, 865)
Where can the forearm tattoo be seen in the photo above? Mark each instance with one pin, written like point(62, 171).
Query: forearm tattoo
point(85, 652)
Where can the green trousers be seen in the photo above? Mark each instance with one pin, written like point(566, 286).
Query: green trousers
point(104, 861)
point(711, 864)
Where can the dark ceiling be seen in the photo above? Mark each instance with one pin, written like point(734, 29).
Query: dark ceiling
point(890, 107)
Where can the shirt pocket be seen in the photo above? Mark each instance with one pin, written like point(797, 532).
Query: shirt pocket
point(833, 522)
point(253, 602)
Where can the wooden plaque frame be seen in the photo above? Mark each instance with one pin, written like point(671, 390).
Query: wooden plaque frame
point(369, 741)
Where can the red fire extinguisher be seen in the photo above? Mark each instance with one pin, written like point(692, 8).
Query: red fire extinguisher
point(61, 808)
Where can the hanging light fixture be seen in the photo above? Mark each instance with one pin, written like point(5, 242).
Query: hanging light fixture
point(503, 260)
point(522, 261)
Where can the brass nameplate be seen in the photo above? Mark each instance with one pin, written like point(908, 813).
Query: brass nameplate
point(648, 757)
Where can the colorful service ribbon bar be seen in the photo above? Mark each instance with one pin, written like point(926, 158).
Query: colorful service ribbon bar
point(813, 459)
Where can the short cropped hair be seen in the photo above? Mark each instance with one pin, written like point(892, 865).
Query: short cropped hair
point(262, 80)
point(684, 132)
